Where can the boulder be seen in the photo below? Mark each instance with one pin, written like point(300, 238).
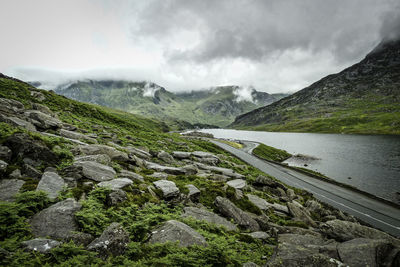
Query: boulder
point(116, 197)
point(259, 235)
point(266, 181)
point(22, 145)
point(42, 120)
point(41, 245)
point(173, 231)
point(345, 231)
point(131, 175)
point(3, 166)
point(313, 206)
point(168, 188)
point(56, 221)
point(190, 169)
point(366, 252)
point(113, 241)
point(165, 156)
point(138, 152)
point(16, 174)
point(112, 152)
point(159, 175)
point(166, 169)
point(181, 155)
point(290, 194)
point(77, 136)
point(17, 122)
point(10, 106)
point(51, 183)
point(237, 183)
point(205, 157)
point(5, 153)
point(42, 108)
point(224, 171)
point(9, 188)
point(204, 215)
point(30, 171)
point(96, 171)
point(228, 209)
point(100, 158)
point(262, 204)
point(299, 213)
point(115, 184)
point(194, 193)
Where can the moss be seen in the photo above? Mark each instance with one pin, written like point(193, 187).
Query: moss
point(271, 153)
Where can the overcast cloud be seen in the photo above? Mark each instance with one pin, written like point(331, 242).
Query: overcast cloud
point(276, 46)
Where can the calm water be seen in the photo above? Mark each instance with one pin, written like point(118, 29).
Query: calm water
point(372, 161)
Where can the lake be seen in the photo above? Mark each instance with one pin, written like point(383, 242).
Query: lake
point(368, 162)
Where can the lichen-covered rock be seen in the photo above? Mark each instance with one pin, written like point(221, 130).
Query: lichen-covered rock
point(116, 197)
point(219, 170)
point(5, 153)
point(100, 158)
point(130, 175)
point(30, 171)
point(56, 221)
point(194, 193)
point(299, 213)
point(237, 183)
point(115, 184)
point(51, 183)
point(77, 136)
point(262, 204)
point(113, 241)
point(42, 120)
point(166, 169)
point(165, 156)
point(228, 209)
point(173, 231)
point(96, 171)
point(41, 245)
point(138, 152)
point(112, 152)
point(168, 188)
point(181, 155)
point(9, 188)
point(204, 215)
point(259, 235)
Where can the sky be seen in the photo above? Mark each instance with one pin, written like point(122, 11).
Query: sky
point(273, 45)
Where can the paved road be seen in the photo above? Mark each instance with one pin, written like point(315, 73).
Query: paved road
point(372, 211)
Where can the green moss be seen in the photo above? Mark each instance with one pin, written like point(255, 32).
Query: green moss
point(271, 153)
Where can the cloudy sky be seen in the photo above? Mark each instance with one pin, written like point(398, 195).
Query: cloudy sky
point(275, 45)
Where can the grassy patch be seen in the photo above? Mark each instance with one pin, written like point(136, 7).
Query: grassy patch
point(271, 153)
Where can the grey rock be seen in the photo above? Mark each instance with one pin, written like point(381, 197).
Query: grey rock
point(41, 245)
point(70, 182)
point(114, 240)
point(56, 221)
point(262, 204)
point(51, 183)
point(294, 230)
point(38, 95)
point(5, 153)
point(345, 231)
point(77, 136)
point(168, 188)
point(259, 235)
point(165, 156)
point(159, 175)
point(249, 264)
point(166, 169)
point(299, 213)
point(190, 169)
point(205, 155)
point(181, 155)
point(10, 106)
point(30, 171)
point(42, 120)
point(228, 209)
point(361, 252)
point(100, 158)
point(237, 183)
point(224, 171)
point(138, 152)
point(173, 231)
point(17, 122)
point(3, 166)
point(290, 194)
point(50, 169)
point(96, 171)
point(116, 197)
point(9, 188)
point(204, 215)
point(16, 174)
point(266, 181)
point(131, 175)
point(112, 152)
point(115, 184)
point(42, 108)
point(313, 206)
point(194, 193)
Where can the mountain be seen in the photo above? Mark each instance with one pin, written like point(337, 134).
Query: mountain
point(364, 98)
point(217, 106)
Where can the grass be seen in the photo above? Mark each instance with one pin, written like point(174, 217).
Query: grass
point(271, 153)
point(231, 143)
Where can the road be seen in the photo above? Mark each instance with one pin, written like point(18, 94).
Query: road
point(369, 210)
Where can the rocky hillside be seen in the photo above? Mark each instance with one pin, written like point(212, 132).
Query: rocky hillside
point(218, 106)
point(86, 185)
point(364, 98)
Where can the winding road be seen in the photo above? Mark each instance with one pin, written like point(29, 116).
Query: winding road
point(378, 214)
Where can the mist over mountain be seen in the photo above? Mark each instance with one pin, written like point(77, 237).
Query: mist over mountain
point(214, 106)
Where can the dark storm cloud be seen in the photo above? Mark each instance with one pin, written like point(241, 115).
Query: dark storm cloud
point(257, 29)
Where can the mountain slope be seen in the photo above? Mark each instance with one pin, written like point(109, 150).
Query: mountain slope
point(364, 98)
point(218, 106)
